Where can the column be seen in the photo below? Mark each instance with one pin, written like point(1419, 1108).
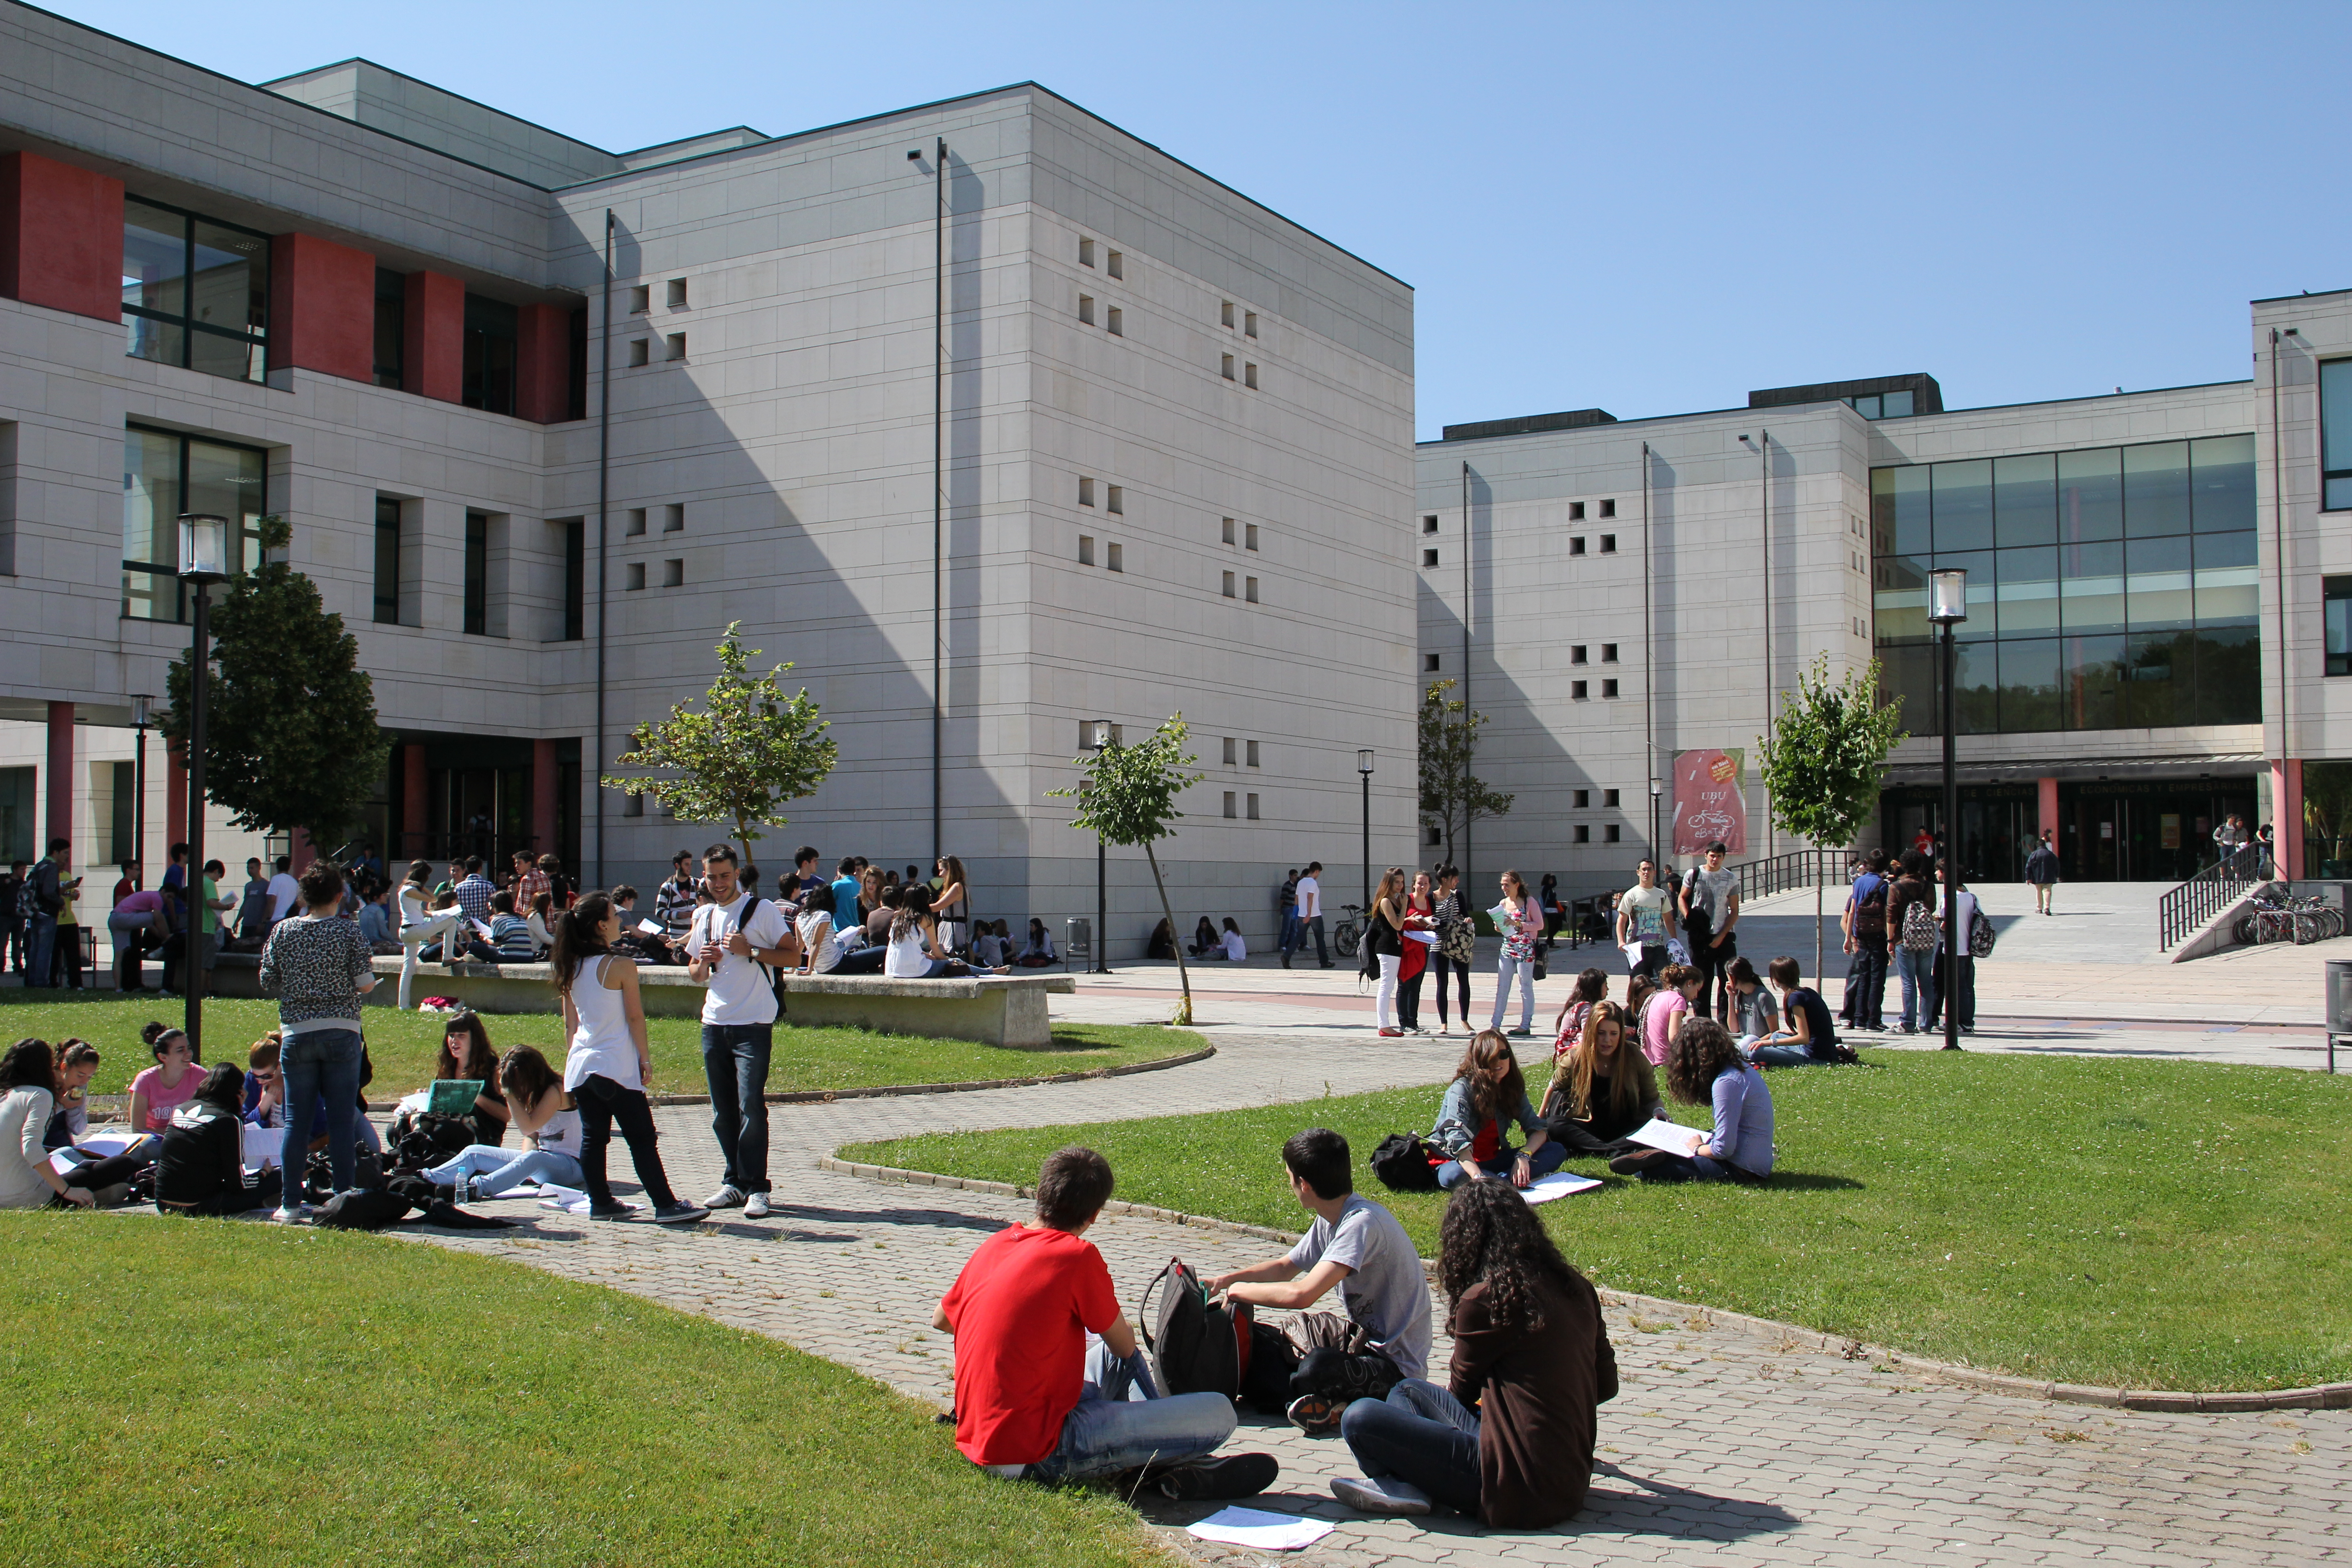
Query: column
point(542, 362)
point(60, 236)
point(435, 361)
point(321, 307)
point(415, 811)
point(545, 838)
point(60, 782)
point(2286, 814)
point(304, 850)
point(2048, 803)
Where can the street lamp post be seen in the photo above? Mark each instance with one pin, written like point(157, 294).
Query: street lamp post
point(203, 561)
point(1364, 766)
point(1097, 740)
point(1948, 606)
point(139, 721)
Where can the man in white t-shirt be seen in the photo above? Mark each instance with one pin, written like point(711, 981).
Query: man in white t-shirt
point(731, 938)
point(1309, 911)
point(285, 892)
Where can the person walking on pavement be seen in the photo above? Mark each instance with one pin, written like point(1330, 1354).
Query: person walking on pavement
point(735, 943)
point(2042, 872)
point(1709, 907)
point(1309, 910)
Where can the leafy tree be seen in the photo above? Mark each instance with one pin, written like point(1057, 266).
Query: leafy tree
point(749, 751)
point(1452, 797)
point(1822, 761)
point(290, 737)
point(1128, 794)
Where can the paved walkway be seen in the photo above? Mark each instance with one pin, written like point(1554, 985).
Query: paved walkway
point(1722, 1450)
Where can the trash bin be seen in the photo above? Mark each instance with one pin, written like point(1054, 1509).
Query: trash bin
point(1078, 943)
point(2339, 996)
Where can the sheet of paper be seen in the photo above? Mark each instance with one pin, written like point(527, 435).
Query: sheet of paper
point(1559, 1185)
point(1633, 951)
point(64, 1161)
point(1671, 1136)
point(651, 928)
point(103, 1144)
point(1256, 1527)
point(262, 1146)
point(480, 929)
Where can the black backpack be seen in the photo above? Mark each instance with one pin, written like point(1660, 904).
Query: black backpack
point(1403, 1163)
point(1199, 1346)
point(1870, 916)
point(420, 1140)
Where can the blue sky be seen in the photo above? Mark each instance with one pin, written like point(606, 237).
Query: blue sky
point(1646, 208)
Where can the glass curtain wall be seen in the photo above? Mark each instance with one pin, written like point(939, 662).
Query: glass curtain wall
point(195, 293)
point(2112, 588)
point(165, 474)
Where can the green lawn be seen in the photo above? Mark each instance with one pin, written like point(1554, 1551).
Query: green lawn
point(217, 1391)
point(402, 1046)
point(2150, 1224)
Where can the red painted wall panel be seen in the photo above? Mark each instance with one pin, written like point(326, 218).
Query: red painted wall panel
point(543, 364)
point(60, 236)
point(321, 307)
point(436, 358)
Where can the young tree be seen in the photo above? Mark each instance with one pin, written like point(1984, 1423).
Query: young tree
point(290, 737)
point(1452, 797)
point(1128, 794)
point(751, 749)
point(1822, 761)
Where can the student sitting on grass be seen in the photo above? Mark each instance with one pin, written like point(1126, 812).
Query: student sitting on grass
point(1567, 1032)
point(1357, 1245)
point(171, 1083)
point(1601, 1091)
point(70, 1122)
point(201, 1170)
point(1706, 1067)
point(1663, 1014)
point(1754, 1014)
point(548, 1120)
point(1487, 1087)
point(28, 1093)
point(1510, 1440)
point(466, 1054)
point(1810, 1037)
point(1032, 1400)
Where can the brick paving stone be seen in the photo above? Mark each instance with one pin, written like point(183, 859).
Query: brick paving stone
point(1722, 1449)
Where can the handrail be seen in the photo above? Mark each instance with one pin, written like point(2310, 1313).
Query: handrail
point(1787, 872)
point(2181, 912)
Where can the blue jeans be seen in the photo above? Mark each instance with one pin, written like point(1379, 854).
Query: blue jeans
point(1780, 1056)
point(735, 1061)
point(1917, 971)
point(1116, 1425)
point(1289, 930)
point(317, 1062)
point(1421, 1435)
point(1544, 1162)
point(1506, 966)
point(41, 944)
point(502, 1170)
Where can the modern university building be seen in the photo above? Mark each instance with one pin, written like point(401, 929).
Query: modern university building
point(1168, 432)
point(2157, 630)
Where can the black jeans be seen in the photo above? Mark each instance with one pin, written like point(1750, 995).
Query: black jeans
point(1438, 965)
point(1712, 960)
point(1654, 958)
point(1959, 994)
point(1420, 1434)
point(602, 1103)
point(1583, 1143)
point(1866, 983)
point(266, 1189)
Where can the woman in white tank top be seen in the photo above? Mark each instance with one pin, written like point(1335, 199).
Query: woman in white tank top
point(418, 923)
point(606, 1065)
point(545, 1115)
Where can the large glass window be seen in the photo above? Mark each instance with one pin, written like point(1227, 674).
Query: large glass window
point(492, 327)
point(2115, 587)
point(195, 293)
point(2336, 601)
point(477, 574)
point(387, 560)
point(391, 328)
point(165, 474)
point(2336, 433)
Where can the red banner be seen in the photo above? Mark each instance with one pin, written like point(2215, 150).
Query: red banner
point(1709, 803)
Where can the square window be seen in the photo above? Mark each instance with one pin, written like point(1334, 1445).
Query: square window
point(1252, 808)
point(1429, 661)
point(1087, 309)
point(641, 299)
point(1117, 558)
point(1577, 690)
point(1249, 754)
point(1225, 366)
point(1576, 544)
point(635, 523)
point(1576, 511)
point(1249, 589)
point(632, 576)
point(1429, 558)
point(678, 293)
point(1249, 324)
point(1608, 509)
point(1229, 584)
point(1117, 501)
point(1225, 314)
point(1583, 833)
point(1117, 264)
point(633, 805)
point(1086, 550)
point(1609, 652)
point(1428, 525)
point(1250, 538)
point(675, 348)
point(1583, 799)
point(673, 573)
point(1230, 799)
point(1608, 544)
point(1086, 253)
point(1431, 836)
point(674, 518)
point(1086, 492)
point(1231, 750)
point(1576, 654)
point(1117, 322)
point(641, 352)
point(1229, 530)
point(1611, 834)
point(1609, 798)
point(1249, 376)
point(1608, 689)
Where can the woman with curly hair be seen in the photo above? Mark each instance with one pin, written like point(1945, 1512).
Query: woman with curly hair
point(1705, 1068)
point(1601, 1091)
point(1487, 1087)
point(1510, 1440)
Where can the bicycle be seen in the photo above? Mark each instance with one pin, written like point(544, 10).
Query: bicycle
point(2276, 915)
point(1347, 941)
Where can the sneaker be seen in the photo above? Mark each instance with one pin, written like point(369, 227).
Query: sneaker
point(1215, 1480)
point(1381, 1495)
point(1523, 1031)
point(1391, 1034)
point(1330, 966)
point(1631, 1164)
point(292, 1214)
point(756, 1207)
point(725, 1197)
point(619, 1211)
point(1315, 1414)
point(679, 1212)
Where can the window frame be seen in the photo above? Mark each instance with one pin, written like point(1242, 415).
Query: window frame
point(240, 537)
point(185, 321)
point(387, 555)
point(2327, 474)
point(2337, 651)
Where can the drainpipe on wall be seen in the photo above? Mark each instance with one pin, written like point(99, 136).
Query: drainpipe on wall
point(603, 492)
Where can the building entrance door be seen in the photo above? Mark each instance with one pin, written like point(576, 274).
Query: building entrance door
point(2144, 831)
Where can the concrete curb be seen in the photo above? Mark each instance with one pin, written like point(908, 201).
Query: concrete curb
point(2326, 1396)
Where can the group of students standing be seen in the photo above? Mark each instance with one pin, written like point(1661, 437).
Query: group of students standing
point(1414, 931)
point(1894, 919)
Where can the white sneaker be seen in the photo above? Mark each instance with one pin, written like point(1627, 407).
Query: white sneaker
point(725, 1197)
point(1381, 1495)
point(293, 1215)
point(756, 1207)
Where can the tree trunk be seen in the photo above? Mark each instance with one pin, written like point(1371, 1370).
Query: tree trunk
point(1817, 918)
point(1184, 1018)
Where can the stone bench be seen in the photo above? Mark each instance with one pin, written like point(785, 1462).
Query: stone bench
point(993, 1009)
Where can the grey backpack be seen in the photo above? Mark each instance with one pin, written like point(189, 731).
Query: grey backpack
point(1919, 933)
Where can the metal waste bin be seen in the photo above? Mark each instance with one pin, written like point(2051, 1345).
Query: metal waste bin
point(1078, 943)
point(2339, 1004)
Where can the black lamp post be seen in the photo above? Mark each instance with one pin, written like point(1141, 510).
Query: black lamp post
point(1364, 766)
point(203, 561)
point(139, 721)
point(1948, 606)
point(1098, 732)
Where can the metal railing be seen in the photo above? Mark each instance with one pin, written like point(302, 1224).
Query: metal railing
point(2181, 912)
point(1786, 873)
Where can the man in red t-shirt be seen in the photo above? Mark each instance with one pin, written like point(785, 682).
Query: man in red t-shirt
point(1032, 1399)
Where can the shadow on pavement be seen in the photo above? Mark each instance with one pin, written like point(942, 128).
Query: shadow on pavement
point(1659, 1509)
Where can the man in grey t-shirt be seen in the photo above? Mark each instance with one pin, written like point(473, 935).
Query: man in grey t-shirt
point(1710, 908)
point(1357, 1245)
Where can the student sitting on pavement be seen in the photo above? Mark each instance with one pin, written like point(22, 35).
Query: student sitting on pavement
point(1032, 1400)
point(1601, 1091)
point(1487, 1087)
point(1038, 950)
point(1707, 1069)
point(990, 949)
point(820, 950)
point(201, 1170)
point(510, 933)
point(1754, 1014)
point(548, 1121)
point(1357, 1245)
point(1510, 1440)
point(1810, 1037)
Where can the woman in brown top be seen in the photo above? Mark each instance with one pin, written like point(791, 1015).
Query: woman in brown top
point(1511, 1441)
